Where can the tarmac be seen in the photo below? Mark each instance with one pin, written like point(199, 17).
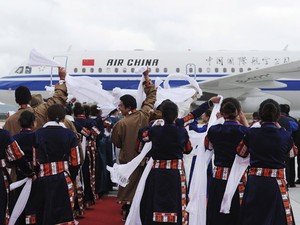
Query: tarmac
point(295, 201)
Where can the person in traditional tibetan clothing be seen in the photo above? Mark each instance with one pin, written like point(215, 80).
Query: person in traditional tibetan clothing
point(125, 133)
point(164, 198)
point(26, 140)
point(88, 129)
point(224, 138)
point(9, 151)
point(266, 200)
point(23, 98)
point(58, 157)
point(194, 126)
point(103, 153)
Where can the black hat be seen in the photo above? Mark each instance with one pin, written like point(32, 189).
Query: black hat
point(22, 95)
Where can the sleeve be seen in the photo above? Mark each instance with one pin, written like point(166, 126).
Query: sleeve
point(13, 150)
point(85, 132)
point(208, 145)
point(59, 97)
point(95, 131)
point(150, 91)
point(188, 119)
point(14, 153)
point(143, 134)
point(116, 136)
point(294, 125)
point(74, 159)
point(194, 126)
point(188, 146)
point(242, 149)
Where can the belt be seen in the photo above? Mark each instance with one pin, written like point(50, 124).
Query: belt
point(221, 173)
point(52, 168)
point(168, 164)
point(267, 172)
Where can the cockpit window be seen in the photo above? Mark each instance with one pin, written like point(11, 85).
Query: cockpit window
point(27, 69)
point(19, 70)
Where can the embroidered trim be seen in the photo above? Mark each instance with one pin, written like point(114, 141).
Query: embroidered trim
point(52, 168)
point(13, 151)
point(279, 175)
point(67, 223)
point(221, 173)
point(70, 189)
point(30, 219)
point(188, 119)
point(2, 163)
point(164, 217)
point(286, 200)
point(267, 172)
point(168, 164)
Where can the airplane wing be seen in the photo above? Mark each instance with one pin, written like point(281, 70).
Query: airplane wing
point(251, 82)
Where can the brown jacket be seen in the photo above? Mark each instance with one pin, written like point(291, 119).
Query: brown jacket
point(124, 136)
point(40, 111)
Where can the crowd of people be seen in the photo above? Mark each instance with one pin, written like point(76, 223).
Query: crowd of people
point(64, 148)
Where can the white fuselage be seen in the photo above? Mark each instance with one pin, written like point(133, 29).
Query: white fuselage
point(116, 69)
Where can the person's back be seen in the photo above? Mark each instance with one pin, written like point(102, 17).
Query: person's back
point(58, 156)
point(168, 141)
point(266, 194)
point(225, 138)
point(125, 134)
point(267, 146)
point(23, 98)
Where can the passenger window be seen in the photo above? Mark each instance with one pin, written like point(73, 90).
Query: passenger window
point(83, 70)
point(100, 70)
point(232, 70)
point(75, 70)
point(92, 70)
point(132, 70)
point(208, 70)
point(249, 69)
point(19, 70)
point(224, 70)
point(241, 70)
point(116, 70)
point(216, 70)
point(165, 70)
point(200, 70)
point(177, 70)
point(124, 70)
point(191, 70)
point(27, 69)
point(156, 70)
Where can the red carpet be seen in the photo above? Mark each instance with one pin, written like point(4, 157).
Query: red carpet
point(105, 212)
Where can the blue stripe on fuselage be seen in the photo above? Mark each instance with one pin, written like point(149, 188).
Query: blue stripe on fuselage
point(39, 85)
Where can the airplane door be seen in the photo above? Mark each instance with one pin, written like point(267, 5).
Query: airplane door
point(191, 70)
point(63, 61)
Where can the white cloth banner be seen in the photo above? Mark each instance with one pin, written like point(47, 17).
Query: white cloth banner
point(120, 173)
point(134, 213)
point(37, 59)
point(197, 204)
point(238, 168)
point(22, 200)
point(89, 90)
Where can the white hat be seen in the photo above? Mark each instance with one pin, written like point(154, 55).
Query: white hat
point(141, 69)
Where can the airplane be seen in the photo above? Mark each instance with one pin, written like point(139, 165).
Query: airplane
point(249, 76)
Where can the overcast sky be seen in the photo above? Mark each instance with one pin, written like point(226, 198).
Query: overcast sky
point(169, 25)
